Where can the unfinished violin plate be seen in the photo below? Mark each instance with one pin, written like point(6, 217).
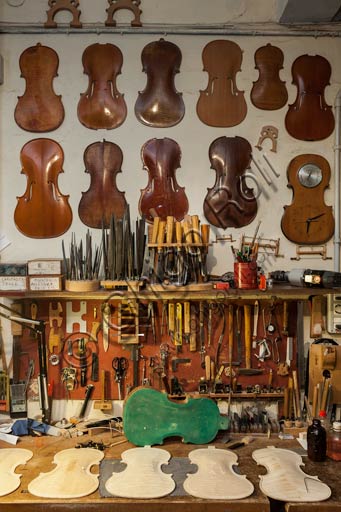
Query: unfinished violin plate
point(71, 478)
point(143, 477)
point(285, 480)
point(215, 478)
point(10, 458)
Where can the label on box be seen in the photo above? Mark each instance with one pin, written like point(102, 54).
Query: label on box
point(44, 267)
point(13, 283)
point(45, 283)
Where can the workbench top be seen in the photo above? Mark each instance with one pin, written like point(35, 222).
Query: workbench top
point(44, 448)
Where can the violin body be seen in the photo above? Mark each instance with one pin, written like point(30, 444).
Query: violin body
point(215, 478)
point(10, 459)
point(102, 106)
point(285, 480)
point(269, 92)
point(230, 203)
point(196, 421)
point(308, 220)
point(39, 109)
point(309, 117)
point(71, 478)
point(162, 196)
point(160, 105)
point(221, 104)
point(102, 200)
point(42, 212)
point(143, 477)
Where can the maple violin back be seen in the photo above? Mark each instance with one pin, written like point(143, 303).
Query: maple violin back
point(71, 478)
point(269, 91)
point(285, 481)
point(160, 105)
point(309, 117)
point(221, 104)
point(230, 203)
point(162, 196)
point(39, 109)
point(215, 478)
point(42, 212)
point(102, 200)
point(308, 220)
point(102, 106)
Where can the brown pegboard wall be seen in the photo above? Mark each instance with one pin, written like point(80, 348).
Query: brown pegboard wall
point(188, 374)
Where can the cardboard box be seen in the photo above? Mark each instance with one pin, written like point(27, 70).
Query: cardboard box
point(46, 267)
point(13, 283)
point(45, 283)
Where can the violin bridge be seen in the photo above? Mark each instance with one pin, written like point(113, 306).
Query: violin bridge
point(63, 5)
point(131, 5)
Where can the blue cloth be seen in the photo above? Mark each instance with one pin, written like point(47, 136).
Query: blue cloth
point(25, 427)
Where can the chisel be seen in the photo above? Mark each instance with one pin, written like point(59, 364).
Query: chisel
point(247, 335)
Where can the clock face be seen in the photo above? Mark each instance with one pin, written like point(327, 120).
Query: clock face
point(310, 175)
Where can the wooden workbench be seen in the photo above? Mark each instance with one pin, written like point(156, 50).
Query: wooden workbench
point(44, 449)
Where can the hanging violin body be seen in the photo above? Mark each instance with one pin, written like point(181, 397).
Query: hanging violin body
point(39, 109)
point(309, 117)
point(102, 200)
point(162, 196)
point(197, 420)
point(269, 92)
point(308, 220)
point(230, 203)
point(221, 104)
point(102, 106)
point(42, 212)
point(159, 104)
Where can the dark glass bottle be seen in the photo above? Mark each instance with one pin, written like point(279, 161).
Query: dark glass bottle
point(317, 441)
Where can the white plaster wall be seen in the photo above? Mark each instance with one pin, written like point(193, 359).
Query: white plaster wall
point(192, 135)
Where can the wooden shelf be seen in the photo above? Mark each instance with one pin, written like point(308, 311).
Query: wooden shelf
point(201, 291)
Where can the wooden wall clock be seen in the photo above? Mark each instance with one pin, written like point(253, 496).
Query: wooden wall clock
point(308, 220)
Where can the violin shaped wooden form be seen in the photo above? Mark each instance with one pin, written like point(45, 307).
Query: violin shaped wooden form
point(10, 459)
point(162, 196)
point(143, 477)
point(159, 104)
point(269, 92)
point(39, 109)
point(42, 212)
point(102, 106)
point(71, 478)
point(196, 421)
point(102, 200)
point(308, 220)
point(221, 104)
point(215, 478)
point(230, 203)
point(285, 480)
point(309, 117)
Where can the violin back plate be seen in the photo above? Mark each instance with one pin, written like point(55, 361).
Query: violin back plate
point(215, 478)
point(285, 480)
point(10, 458)
point(143, 477)
point(309, 117)
point(149, 417)
point(269, 92)
point(71, 478)
point(160, 105)
point(39, 109)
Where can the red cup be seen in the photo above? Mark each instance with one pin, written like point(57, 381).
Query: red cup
point(245, 275)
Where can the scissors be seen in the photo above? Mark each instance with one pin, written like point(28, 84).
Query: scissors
point(120, 365)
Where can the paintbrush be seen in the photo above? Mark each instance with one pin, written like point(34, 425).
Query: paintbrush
point(238, 444)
